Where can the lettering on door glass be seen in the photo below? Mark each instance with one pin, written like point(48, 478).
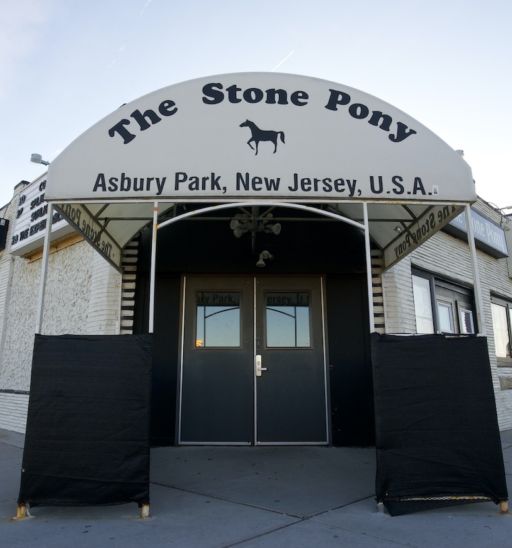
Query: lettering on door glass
point(287, 320)
point(217, 319)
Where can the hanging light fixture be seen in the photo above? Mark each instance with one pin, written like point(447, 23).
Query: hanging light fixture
point(265, 255)
point(242, 223)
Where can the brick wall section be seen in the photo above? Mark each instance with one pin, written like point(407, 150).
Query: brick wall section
point(398, 298)
point(450, 258)
point(103, 314)
point(13, 411)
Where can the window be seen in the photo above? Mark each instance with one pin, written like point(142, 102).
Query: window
point(445, 317)
point(217, 319)
point(287, 320)
point(422, 305)
point(441, 306)
point(502, 326)
point(466, 320)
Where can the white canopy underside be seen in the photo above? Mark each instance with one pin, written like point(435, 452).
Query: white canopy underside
point(387, 221)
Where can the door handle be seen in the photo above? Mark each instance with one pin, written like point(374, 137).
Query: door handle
point(257, 364)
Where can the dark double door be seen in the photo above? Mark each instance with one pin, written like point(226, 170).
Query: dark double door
point(253, 361)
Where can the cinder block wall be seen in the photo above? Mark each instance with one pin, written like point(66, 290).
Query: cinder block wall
point(449, 257)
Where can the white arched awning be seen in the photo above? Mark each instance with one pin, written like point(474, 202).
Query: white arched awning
point(260, 136)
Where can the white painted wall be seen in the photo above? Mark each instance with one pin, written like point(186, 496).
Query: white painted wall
point(83, 296)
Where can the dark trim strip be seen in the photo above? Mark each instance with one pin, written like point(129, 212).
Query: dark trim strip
point(129, 264)
point(9, 391)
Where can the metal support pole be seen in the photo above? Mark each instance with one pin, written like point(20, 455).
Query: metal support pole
point(368, 266)
point(476, 273)
point(153, 265)
point(44, 269)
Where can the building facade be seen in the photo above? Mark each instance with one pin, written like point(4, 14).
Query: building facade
point(206, 271)
point(262, 227)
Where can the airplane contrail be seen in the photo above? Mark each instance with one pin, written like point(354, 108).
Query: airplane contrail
point(283, 60)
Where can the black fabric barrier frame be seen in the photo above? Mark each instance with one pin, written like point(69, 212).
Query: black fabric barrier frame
point(87, 438)
point(437, 435)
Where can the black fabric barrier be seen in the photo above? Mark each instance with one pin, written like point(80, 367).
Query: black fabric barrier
point(437, 435)
point(87, 439)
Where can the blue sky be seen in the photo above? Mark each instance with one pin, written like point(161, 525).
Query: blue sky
point(64, 64)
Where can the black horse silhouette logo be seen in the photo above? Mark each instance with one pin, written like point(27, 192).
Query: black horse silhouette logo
point(258, 135)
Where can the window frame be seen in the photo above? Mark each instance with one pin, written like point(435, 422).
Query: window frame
point(501, 301)
point(461, 296)
point(460, 310)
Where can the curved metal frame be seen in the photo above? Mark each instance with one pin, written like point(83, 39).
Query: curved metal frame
point(263, 204)
point(266, 203)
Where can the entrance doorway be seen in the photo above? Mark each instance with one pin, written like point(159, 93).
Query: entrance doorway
point(253, 361)
point(206, 250)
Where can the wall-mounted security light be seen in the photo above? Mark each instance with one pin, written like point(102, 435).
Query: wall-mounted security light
point(38, 159)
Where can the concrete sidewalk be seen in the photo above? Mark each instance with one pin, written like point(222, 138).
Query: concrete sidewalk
point(248, 497)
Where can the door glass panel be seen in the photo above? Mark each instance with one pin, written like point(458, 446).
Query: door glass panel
point(217, 319)
point(287, 320)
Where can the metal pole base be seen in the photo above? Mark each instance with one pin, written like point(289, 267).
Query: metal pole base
point(22, 512)
point(144, 511)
